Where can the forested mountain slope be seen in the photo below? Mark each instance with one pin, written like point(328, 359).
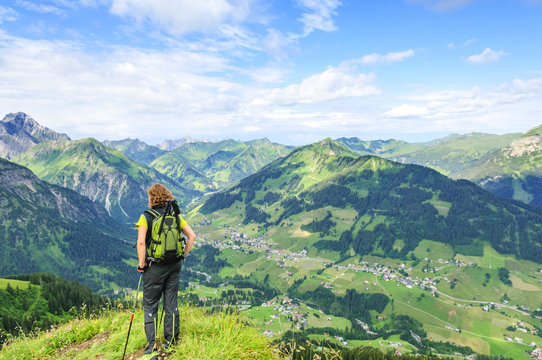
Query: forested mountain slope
point(391, 207)
point(47, 228)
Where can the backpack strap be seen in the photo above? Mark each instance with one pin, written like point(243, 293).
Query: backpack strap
point(150, 215)
point(180, 233)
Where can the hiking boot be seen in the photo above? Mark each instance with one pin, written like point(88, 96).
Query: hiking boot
point(149, 349)
point(166, 348)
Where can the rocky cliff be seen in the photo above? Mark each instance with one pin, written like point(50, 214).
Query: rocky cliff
point(19, 132)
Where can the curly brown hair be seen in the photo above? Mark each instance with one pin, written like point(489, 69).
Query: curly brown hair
point(158, 194)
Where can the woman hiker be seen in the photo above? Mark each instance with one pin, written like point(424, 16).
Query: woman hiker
point(161, 276)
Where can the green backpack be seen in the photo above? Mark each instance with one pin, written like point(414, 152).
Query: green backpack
point(165, 243)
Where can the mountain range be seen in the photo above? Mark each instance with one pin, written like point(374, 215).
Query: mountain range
point(102, 174)
point(506, 165)
point(360, 205)
point(211, 166)
point(307, 222)
point(48, 228)
point(513, 171)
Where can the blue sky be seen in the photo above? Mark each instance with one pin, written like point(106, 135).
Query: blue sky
point(292, 71)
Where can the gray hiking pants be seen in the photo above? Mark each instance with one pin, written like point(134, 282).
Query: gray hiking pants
point(158, 280)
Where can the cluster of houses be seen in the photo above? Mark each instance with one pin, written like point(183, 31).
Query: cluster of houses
point(236, 240)
point(285, 306)
point(536, 353)
point(282, 256)
point(239, 241)
point(522, 327)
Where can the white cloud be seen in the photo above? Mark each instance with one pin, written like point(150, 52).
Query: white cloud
point(442, 5)
point(332, 84)
point(178, 17)
point(149, 94)
point(508, 108)
point(387, 58)
point(465, 44)
point(468, 42)
point(7, 14)
point(39, 7)
point(458, 110)
point(84, 94)
point(319, 15)
point(268, 74)
point(527, 86)
point(487, 56)
point(406, 111)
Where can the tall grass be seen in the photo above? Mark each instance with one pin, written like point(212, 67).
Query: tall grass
point(202, 336)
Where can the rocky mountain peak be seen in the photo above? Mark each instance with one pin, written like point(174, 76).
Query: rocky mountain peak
point(524, 146)
point(19, 132)
point(169, 145)
point(15, 122)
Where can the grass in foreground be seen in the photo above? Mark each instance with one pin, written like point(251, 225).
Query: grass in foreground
point(202, 336)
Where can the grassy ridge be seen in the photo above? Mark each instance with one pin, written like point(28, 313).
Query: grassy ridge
point(202, 336)
point(136, 149)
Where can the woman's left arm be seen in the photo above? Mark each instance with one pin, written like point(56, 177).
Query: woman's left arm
point(187, 230)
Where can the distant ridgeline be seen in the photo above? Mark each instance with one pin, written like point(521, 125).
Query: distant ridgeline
point(395, 205)
point(39, 300)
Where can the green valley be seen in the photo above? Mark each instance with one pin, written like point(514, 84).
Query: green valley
point(329, 229)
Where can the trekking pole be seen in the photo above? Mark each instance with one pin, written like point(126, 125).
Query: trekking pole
point(132, 317)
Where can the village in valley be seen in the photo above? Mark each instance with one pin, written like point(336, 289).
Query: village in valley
point(422, 276)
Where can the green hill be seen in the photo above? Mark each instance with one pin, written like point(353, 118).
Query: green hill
point(47, 228)
point(37, 301)
point(382, 148)
point(391, 207)
point(536, 131)
point(209, 166)
point(104, 175)
point(506, 165)
point(203, 336)
point(136, 150)
point(176, 167)
point(454, 153)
